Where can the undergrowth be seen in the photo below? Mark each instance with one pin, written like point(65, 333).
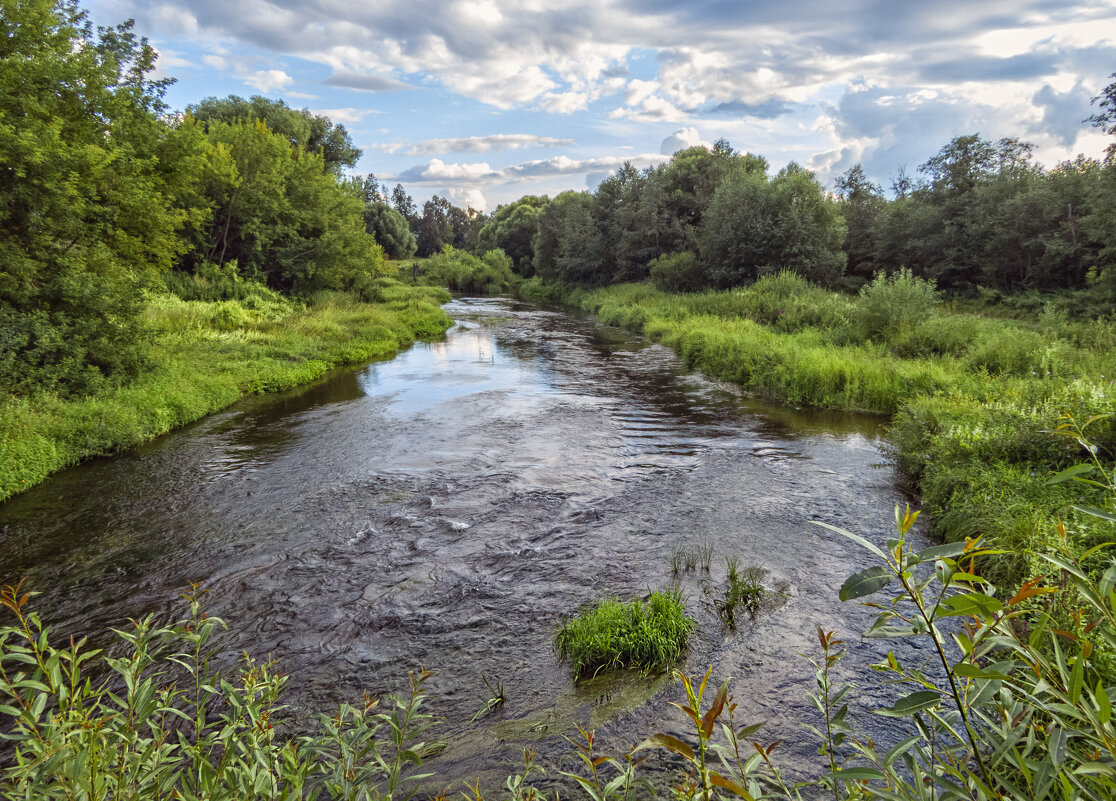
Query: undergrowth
point(204, 356)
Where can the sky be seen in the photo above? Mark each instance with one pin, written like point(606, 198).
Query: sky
point(484, 101)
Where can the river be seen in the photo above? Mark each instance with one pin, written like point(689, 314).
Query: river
point(447, 508)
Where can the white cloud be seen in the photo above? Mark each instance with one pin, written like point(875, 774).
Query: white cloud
point(463, 198)
point(348, 115)
point(267, 80)
point(469, 175)
point(680, 140)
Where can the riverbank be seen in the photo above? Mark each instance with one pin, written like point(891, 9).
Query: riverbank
point(974, 401)
point(204, 356)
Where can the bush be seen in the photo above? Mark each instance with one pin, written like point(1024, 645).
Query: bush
point(463, 272)
point(678, 272)
point(173, 727)
point(893, 304)
point(649, 636)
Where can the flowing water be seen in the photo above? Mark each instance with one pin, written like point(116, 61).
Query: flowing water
point(449, 507)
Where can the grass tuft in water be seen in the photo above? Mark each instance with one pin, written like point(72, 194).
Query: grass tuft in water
point(646, 635)
point(743, 593)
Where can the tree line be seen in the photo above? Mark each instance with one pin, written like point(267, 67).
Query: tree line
point(105, 195)
point(977, 217)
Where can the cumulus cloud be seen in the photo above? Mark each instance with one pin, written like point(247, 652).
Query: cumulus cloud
point(680, 140)
point(347, 116)
point(919, 73)
point(267, 80)
point(473, 144)
point(465, 198)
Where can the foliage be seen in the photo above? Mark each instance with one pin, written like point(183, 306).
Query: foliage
point(970, 396)
point(166, 724)
point(512, 229)
point(390, 230)
point(648, 636)
point(567, 245)
point(895, 304)
point(89, 218)
point(282, 216)
point(206, 355)
point(463, 272)
point(304, 130)
point(744, 592)
point(677, 272)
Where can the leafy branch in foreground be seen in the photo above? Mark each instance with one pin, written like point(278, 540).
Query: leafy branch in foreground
point(167, 725)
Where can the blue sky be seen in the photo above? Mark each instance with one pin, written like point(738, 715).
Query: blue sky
point(483, 101)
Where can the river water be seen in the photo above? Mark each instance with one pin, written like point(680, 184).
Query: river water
point(449, 507)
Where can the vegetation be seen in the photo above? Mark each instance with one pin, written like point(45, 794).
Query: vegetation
point(168, 725)
point(1005, 711)
point(205, 354)
point(463, 272)
point(159, 266)
point(649, 636)
point(971, 397)
point(743, 591)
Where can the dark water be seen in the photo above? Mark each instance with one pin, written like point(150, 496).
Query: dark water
point(447, 509)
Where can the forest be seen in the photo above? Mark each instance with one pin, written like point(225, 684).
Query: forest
point(157, 265)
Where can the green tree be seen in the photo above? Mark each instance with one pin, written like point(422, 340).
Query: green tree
point(809, 227)
point(88, 213)
point(302, 128)
point(863, 206)
point(738, 235)
point(390, 230)
point(512, 229)
point(568, 244)
point(283, 217)
point(434, 229)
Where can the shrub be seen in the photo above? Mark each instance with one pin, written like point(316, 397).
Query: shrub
point(463, 272)
point(893, 304)
point(678, 272)
point(649, 636)
point(170, 726)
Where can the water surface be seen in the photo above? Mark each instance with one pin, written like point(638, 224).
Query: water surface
point(449, 507)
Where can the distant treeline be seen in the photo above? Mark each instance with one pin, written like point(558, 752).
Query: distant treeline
point(978, 216)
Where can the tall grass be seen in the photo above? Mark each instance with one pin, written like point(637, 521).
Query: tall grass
point(649, 636)
point(206, 355)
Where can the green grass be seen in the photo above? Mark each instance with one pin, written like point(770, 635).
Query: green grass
point(648, 636)
point(974, 399)
point(205, 356)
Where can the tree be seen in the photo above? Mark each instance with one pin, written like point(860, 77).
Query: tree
point(403, 203)
point(312, 132)
point(862, 205)
point(390, 230)
point(809, 227)
point(1105, 119)
point(738, 232)
point(512, 229)
point(434, 229)
point(88, 214)
point(567, 246)
point(283, 217)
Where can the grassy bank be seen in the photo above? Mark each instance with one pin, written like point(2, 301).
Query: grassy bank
point(974, 400)
point(204, 355)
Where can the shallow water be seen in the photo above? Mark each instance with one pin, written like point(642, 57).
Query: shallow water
point(448, 507)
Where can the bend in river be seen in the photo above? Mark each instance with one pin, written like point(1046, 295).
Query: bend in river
point(449, 507)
